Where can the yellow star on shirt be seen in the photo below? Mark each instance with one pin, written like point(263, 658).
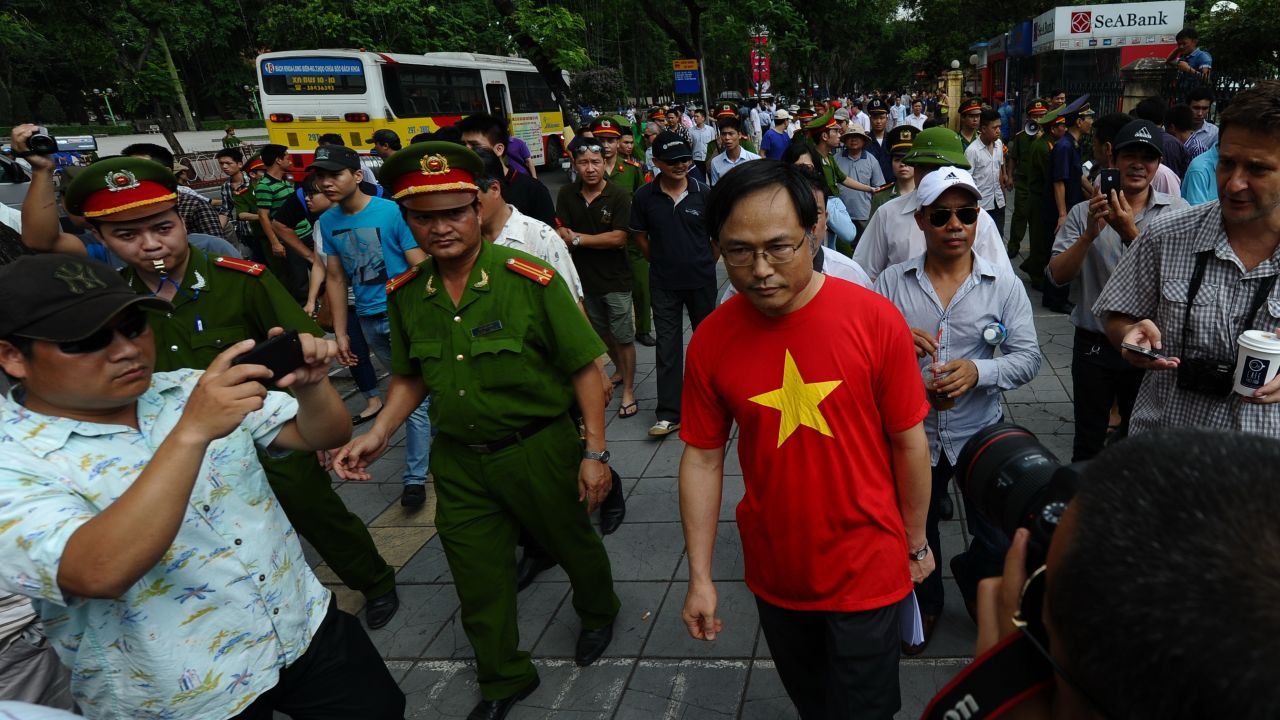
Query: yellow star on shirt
point(797, 401)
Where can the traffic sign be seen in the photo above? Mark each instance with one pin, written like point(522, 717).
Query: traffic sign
point(688, 82)
point(684, 64)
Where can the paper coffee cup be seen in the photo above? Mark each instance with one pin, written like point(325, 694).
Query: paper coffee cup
point(1257, 360)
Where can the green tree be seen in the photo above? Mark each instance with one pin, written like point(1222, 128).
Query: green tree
point(49, 111)
point(1244, 41)
point(602, 87)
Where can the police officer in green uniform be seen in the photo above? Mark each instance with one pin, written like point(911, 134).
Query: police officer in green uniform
point(1052, 127)
point(1019, 155)
point(217, 302)
point(823, 133)
point(899, 141)
point(500, 343)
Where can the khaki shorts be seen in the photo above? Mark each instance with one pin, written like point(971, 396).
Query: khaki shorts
point(610, 315)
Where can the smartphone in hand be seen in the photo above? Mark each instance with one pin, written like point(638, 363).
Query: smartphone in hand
point(281, 355)
point(1110, 181)
point(1144, 352)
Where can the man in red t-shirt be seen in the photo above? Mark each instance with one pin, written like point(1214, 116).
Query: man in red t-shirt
point(821, 377)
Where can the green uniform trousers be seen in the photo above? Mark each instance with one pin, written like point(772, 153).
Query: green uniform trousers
point(1040, 243)
point(1022, 202)
point(640, 289)
point(306, 495)
point(482, 502)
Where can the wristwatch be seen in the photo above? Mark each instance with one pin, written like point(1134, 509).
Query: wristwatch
point(918, 555)
point(602, 456)
point(577, 240)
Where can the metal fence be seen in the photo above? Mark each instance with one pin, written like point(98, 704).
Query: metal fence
point(1105, 96)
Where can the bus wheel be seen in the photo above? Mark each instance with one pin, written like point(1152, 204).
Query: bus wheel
point(555, 152)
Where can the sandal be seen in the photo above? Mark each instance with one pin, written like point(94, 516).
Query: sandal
point(628, 410)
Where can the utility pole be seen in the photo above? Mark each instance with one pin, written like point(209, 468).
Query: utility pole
point(188, 121)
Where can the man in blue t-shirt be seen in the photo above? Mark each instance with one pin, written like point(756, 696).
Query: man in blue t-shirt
point(367, 243)
point(776, 138)
point(1193, 64)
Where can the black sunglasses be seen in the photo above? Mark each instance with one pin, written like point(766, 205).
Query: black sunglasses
point(939, 217)
point(133, 324)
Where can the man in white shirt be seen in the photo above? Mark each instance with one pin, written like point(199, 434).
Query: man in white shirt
point(733, 155)
point(917, 116)
point(702, 135)
point(986, 158)
point(893, 236)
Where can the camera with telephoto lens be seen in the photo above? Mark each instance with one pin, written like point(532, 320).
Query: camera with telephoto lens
point(1014, 481)
point(1206, 376)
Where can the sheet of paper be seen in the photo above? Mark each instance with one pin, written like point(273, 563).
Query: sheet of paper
point(909, 620)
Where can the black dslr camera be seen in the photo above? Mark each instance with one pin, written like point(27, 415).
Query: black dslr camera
point(1206, 376)
point(1013, 481)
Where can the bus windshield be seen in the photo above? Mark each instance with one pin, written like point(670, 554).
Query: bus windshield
point(313, 76)
point(424, 90)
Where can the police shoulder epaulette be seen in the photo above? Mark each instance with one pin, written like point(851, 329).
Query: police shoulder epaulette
point(248, 267)
point(533, 271)
point(632, 162)
point(401, 280)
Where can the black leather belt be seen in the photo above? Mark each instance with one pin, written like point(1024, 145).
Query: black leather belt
point(523, 433)
point(375, 316)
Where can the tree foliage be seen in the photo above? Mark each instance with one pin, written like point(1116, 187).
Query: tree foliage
point(64, 49)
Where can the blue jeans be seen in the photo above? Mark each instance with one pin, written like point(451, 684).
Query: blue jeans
point(417, 437)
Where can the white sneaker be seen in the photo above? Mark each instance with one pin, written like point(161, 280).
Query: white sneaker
point(663, 427)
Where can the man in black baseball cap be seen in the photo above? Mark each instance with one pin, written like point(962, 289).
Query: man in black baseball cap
point(385, 143)
point(335, 158)
point(667, 221)
point(1089, 247)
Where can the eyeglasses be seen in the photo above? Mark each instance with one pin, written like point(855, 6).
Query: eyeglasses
point(776, 254)
point(131, 326)
point(939, 217)
point(1029, 621)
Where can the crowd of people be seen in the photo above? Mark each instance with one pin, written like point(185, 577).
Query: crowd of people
point(153, 490)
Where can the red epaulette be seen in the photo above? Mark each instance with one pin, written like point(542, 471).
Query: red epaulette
point(534, 272)
point(632, 162)
point(248, 267)
point(401, 280)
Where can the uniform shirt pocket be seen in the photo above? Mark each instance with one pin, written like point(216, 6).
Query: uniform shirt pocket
point(219, 338)
point(500, 362)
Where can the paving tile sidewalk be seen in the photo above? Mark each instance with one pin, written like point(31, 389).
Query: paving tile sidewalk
point(652, 669)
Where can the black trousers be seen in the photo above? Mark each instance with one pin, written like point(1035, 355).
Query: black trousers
point(340, 677)
point(834, 665)
point(669, 307)
point(1100, 377)
point(929, 592)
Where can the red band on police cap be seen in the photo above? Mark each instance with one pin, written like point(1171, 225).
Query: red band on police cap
point(127, 195)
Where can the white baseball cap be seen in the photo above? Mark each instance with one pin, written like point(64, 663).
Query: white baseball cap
point(782, 115)
point(943, 179)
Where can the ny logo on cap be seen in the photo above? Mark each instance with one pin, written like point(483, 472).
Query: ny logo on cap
point(118, 180)
point(1143, 133)
point(78, 277)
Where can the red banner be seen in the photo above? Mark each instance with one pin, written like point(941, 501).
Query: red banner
point(760, 61)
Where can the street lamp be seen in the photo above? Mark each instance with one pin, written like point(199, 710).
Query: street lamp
point(955, 64)
point(253, 97)
point(106, 97)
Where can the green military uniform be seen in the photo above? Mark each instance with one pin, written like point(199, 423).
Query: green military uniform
point(499, 365)
point(880, 197)
point(831, 172)
point(1038, 183)
point(1019, 154)
point(219, 302)
point(499, 361)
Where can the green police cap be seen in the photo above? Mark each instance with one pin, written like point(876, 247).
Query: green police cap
point(822, 122)
point(434, 175)
point(122, 188)
point(937, 146)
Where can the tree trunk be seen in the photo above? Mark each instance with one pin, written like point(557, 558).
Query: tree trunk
point(547, 67)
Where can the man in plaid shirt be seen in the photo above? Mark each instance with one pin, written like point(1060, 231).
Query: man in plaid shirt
point(1198, 278)
point(231, 160)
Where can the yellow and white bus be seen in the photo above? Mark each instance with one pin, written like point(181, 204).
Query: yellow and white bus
point(307, 93)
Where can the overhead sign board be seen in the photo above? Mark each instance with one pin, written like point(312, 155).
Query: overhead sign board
point(684, 64)
point(1090, 27)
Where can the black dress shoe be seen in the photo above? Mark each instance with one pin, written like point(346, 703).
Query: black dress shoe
point(647, 340)
point(413, 496)
point(946, 508)
point(498, 709)
point(614, 508)
point(529, 567)
point(380, 610)
point(592, 644)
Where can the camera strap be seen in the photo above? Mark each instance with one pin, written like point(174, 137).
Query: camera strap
point(994, 683)
point(1260, 295)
